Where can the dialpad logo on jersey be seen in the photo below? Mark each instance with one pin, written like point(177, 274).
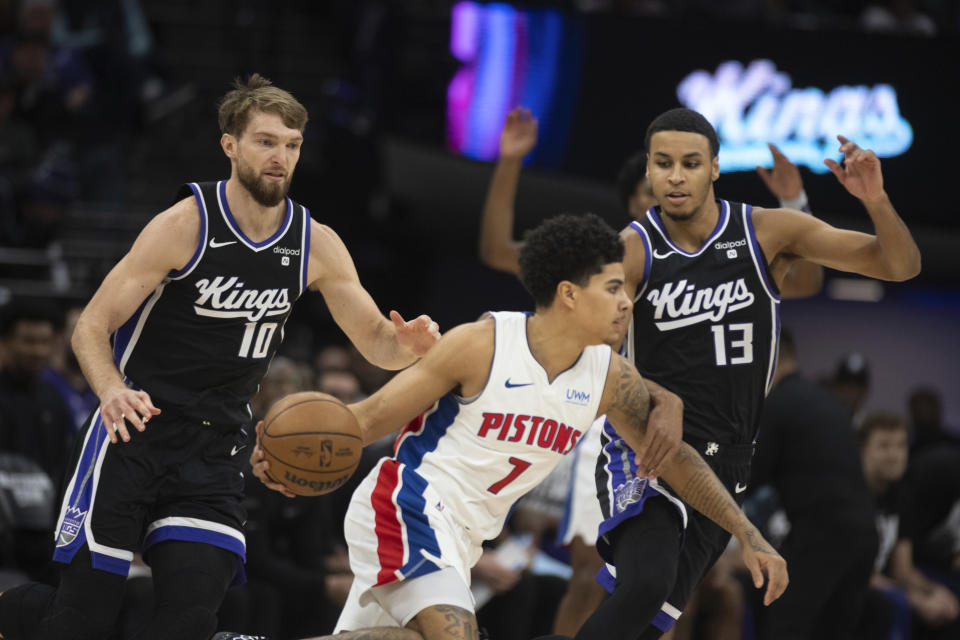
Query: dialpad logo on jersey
point(227, 298)
point(684, 305)
point(629, 492)
point(286, 252)
point(581, 398)
point(731, 245)
point(72, 523)
point(541, 432)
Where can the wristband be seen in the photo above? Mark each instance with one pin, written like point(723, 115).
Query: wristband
point(799, 203)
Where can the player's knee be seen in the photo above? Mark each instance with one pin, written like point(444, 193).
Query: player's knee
point(22, 608)
point(193, 623)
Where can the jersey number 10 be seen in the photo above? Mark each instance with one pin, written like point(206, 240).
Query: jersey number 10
point(740, 346)
point(258, 339)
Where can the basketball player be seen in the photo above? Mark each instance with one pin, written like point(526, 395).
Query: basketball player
point(196, 309)
point(705, 275)
point(505, 399)
point(498, 250)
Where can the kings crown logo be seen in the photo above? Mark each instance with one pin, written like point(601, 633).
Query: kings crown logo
point(72, 524)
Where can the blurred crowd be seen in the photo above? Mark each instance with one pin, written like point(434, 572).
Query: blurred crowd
point(78, 81)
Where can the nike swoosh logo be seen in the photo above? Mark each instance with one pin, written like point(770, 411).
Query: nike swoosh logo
point(214, 244)
point(512, 385)
point(237, 449)
point(657, 254)
point(740, 488)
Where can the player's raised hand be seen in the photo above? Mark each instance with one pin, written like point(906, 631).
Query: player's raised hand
point(519, 134)
point(418, 335)
point(261, 467)
point(120, 405)
point(860, 173)
point(762, 560)
point(784, 180)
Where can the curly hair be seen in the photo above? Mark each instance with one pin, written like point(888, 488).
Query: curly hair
point(681, 119)
point(257, 93)
point(566, 247)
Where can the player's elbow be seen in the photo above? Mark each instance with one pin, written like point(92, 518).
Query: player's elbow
point(914, 265)
point(907, 268)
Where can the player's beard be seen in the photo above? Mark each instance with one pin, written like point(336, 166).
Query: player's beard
point(267, 194)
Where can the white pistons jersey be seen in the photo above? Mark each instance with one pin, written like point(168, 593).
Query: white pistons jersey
point(482, 454)
point(460, 467)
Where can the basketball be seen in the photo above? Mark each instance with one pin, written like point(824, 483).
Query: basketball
point(312, 442)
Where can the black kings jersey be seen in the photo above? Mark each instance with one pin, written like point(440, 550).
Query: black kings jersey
point(202, 341)
point(706, 324)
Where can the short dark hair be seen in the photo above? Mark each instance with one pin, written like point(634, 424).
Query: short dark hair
point(566, 247)
point(632, 173)
point(881, 421)
point(681, 119)
point(18, 311)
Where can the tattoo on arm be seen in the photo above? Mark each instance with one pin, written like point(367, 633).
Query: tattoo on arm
point(459, 623)
point(630, 395)
point(756, 541)
point(703, 491)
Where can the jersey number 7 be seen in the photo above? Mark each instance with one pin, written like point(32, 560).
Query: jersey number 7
point(519, 466)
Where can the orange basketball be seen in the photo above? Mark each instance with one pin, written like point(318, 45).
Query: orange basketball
point(312, 442)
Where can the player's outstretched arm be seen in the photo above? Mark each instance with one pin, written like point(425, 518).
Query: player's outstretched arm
point(388, 343)
point(695, 482)
point(626, 403)
point(889, 254)
point(460, 360)
point(166, 244)
point(498, 249)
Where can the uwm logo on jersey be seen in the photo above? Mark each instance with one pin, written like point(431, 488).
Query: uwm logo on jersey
point(539, 431)
point(227, 298)
point(681, 304)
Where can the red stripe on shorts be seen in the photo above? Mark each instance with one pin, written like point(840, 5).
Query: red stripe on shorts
point(412, 427)
point(386, 523)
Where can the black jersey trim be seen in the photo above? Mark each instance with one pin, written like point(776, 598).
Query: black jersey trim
point(718, 230)
point(756, 253)
point(305, 250)
point(204, 227)
point(647, 259)
point(232, 222)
